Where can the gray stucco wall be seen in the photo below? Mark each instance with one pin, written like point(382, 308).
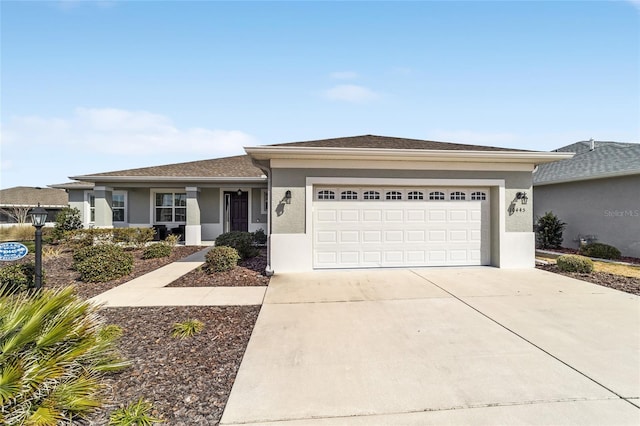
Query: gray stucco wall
point(256, 207)
point(138, 207)
point(210, 205)
point(76, 200)
point(290, 218)
point(607, 208)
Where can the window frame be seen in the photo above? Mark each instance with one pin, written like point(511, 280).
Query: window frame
point(173, 206)
point(264, 201)
point(90, 211)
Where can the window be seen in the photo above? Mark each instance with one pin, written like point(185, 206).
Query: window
point(171, 207)
point(436, 195)
point(325, 194)
point(457, 195)
point(394, 195)
point(264, 201)
point(371, 195)
point(118, 206)
point(478, 196)
point(415, 195)
point(349, 195)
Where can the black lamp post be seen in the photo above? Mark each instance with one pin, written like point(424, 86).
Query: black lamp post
point(38, 219)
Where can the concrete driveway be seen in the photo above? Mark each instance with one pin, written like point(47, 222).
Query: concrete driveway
point(440, 346)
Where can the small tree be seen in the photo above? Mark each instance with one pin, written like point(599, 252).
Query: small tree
point(19, 214)
point(549, 231)
point(68, 219)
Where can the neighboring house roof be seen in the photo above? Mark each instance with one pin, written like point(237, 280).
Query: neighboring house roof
point(73, 185)
point(386, 142)
point(27, 196)
point(606, 159)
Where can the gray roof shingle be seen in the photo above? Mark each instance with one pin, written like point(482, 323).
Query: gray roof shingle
point(606, 159)
point(31, 196)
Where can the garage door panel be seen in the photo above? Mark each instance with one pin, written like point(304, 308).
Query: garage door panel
point(396, 233)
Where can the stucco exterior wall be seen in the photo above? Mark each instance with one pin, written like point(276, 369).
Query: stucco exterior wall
point(290, 218)
point(76, 200)
point(138, 208)
point(210, 205)
point(607, 208)
point(256, 209)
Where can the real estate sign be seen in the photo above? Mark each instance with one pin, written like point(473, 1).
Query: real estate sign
point(12, 251)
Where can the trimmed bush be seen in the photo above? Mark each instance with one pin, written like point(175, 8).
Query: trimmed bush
point(241, 241)
point(17, 278)
point(68, 219)
point(575, 263)
point(600, 250)
point(259, 237)
point(220, 259)
point(54, 358)
point(102, 263)
point(549, 231)
point(155, 251)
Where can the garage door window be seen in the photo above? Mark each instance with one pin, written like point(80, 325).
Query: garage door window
point(371, 195)
point(325, 194)
point(436, 195)
point(478, 196)
point(457, 196)
point(349, 195)
point(415, 195)
point(394, 195)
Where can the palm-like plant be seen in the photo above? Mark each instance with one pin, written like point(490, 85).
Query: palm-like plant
point(54, 353)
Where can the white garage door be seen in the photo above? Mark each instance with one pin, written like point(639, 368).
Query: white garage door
point(387, 227)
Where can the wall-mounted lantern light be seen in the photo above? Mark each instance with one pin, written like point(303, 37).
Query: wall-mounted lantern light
point(239, 192)
point(287, 197)
point(522, 196)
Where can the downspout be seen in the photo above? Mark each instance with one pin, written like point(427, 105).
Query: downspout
point(267, 171)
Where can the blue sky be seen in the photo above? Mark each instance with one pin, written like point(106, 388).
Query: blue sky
point(99, 86)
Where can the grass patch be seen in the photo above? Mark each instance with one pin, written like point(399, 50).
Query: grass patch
point(611, 268)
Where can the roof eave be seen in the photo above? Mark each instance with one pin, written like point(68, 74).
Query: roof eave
point(94, 178)
point(535, 157)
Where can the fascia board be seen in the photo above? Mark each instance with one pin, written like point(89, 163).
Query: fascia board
point(91, 178)
point(535, 157)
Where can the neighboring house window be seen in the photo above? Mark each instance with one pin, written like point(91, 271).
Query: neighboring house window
point(457, 195)
point(349, 195)
point(264, 201)
point(415, 195)
point(371, 195)
point(171, 207)
point(394, 195)
point(118, 206)
point(325, 194)
point(478, 196)
point(436, 195)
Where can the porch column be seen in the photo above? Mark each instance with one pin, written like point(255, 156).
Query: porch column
point(193, 229)
point(104, 200)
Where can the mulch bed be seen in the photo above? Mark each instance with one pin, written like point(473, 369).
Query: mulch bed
point(188, 381)
point(617, 282)
point(58, 272)
point(249, 272)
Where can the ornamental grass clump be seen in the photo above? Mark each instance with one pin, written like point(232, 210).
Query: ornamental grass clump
point(575, 263)
point(134, 414)
point(188, 328)
point(54, 357)
point(221, 259)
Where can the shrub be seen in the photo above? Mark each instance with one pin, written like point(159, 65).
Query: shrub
point(51, 252)
point(135, 414)
point(137, 237)
point(187, 328)
point(259, 237)
point(241, 241)
point(54, 358)
point(102, 263)
point(549, 231)
point(157, 250)
point(68, 219)
point(17, 278)
point(172, 240)
point(220, 259)
point(600, 250)
point(575, 263)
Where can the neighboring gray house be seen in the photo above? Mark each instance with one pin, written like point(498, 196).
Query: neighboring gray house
point(353, 202)
point(17, 201)
point(597, 193)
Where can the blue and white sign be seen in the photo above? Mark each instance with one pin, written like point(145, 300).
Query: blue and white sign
point(12, 251)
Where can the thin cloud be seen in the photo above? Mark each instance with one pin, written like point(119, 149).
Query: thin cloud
point(351, 93)
point(118, 131)
point(344, 75)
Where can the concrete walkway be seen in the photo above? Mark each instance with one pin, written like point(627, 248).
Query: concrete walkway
point(150, 289)
point(441, 346)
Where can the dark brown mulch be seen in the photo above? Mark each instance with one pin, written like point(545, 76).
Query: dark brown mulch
point(188, 381)
point(617, 282)
point(58, 272)
point(627, 259)
point(249, 272)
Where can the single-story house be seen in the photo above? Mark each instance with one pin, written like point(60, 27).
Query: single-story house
point(353, 202)
point(16, 202)
point(596, 193)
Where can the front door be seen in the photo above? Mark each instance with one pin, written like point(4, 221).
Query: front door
point(237, 211)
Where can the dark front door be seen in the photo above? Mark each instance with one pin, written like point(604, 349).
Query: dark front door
point(239, 211)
